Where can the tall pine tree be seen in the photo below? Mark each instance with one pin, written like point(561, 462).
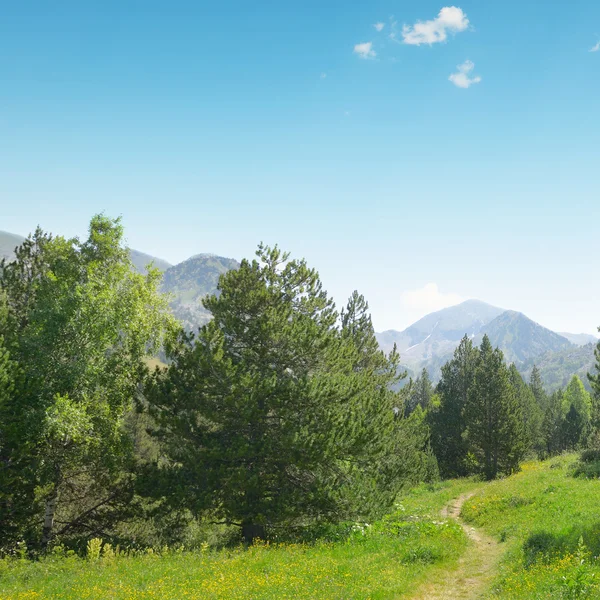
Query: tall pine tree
point(275, 414)
point(447, 420)
point(495, 428)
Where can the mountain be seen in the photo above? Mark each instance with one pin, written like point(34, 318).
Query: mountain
point(8, 243)
point(190, 281)
point(141, 260)
point(580, 339)
point(438, 334)
point(557, 368)
point(430, 342)
point(521, 339)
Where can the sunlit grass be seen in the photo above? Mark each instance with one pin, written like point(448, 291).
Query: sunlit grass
point(388, 559)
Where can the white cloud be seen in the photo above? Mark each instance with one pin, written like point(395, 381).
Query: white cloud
point(450, 19)
point(365, 50)
point(429, 299)
point(379, 26)
point(462, 78)
point(595, 48)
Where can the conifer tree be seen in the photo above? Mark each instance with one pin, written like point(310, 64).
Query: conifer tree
point(275, 414)
point(577, 414)
point(421, 392)
point(495, 428)
point(537, 387)
point(447, 420)
point(552, 425)
point(531, 411)
point(594, 379)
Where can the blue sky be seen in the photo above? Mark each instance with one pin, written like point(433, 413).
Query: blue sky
point(210, 126)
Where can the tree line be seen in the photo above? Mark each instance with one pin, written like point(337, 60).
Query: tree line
point(278, 414)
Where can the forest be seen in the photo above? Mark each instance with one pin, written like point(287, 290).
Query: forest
point(278, 421)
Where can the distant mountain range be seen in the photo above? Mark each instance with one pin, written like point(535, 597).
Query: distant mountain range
point(429, 343)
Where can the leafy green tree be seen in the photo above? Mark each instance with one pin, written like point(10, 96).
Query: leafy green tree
point(276, 414)
point(495, 427)
point(79, 323)
point(447, 419)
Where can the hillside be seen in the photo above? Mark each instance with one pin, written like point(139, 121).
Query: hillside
point(190, 281)
point(557, 368)
point(580, 339)
point(141, 260)
point(521, 339)
point(8, 243)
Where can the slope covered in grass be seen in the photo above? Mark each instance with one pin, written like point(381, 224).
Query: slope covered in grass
point(388, 559)
point(549, 521)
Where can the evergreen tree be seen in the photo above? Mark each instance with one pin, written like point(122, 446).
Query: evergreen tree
point(552, 425)
point(595, 383)
point(530, 409)
point(495, 429)
point(537, 388)
point(79, 323)
point(577, 414)
point(447, 419)
point(421, 392)
point(275, 415)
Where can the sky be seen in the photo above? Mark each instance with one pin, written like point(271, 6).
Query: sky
point(420, 152)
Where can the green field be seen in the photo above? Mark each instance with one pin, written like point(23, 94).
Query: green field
point(546, 522)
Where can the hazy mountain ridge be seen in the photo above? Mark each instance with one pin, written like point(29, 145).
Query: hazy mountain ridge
point(579, 339)
point(190, 281)
point(430, 342)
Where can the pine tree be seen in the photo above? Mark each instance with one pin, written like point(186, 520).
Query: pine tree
point(447, 420)
point(495, 429)
point(420, 392)
point(577, 414)
point(531, 411)
point(275, 414)
point(594, 380)
point(552, 425)
point(537, 387)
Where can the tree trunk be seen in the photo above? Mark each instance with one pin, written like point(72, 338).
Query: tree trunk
point(252, 532)
point(49, 514)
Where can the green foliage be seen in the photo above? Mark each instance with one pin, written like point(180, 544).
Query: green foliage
point(446, 420)
point(280, 411)
point(494, 416)
point(79, 322)
point(420, 392)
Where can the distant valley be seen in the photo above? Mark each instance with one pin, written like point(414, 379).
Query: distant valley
point(429, 343)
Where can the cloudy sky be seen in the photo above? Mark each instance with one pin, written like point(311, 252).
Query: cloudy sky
point(420, 152)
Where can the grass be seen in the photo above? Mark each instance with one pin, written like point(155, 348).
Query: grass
point(388, 559)
point(546, 520)
point(550, 523)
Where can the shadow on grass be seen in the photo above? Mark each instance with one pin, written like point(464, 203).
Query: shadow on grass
point(546, 546)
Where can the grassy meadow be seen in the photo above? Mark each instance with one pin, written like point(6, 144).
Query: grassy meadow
point(546, 521)
point(386, 559)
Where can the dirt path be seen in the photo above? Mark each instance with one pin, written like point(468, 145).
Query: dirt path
point(476, 568)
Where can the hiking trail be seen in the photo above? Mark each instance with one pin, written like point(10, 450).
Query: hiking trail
point(476, 568)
